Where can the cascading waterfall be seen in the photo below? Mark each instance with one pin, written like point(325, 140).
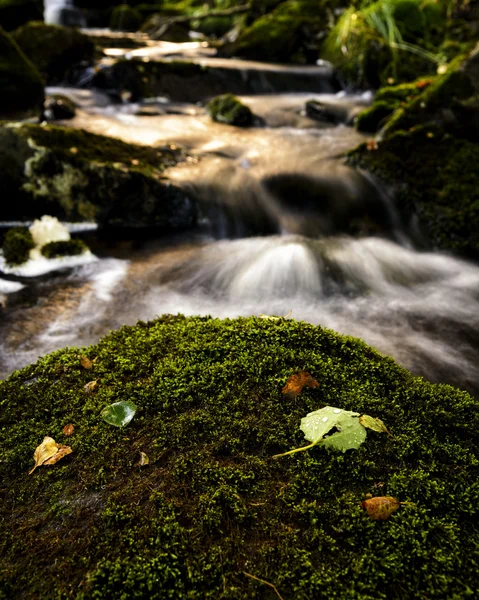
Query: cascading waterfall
point(63, 12)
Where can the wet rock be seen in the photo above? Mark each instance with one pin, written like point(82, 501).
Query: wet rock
point(79, 176)
point(53, 49)
point(14, 13)
point(165, 30)
point(230, 110)
point(21, 86)
point(58, 107)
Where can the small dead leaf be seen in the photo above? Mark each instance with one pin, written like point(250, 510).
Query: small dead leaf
point(144, 460)
point(74, 150)
point(381, 508)
point(91, 386)
point(135, 161)
point(62, 451)
point(85, 362)
point(68, 429)
point(371, 145)
point(43, 452)
point(374, 424)
point(296, 383)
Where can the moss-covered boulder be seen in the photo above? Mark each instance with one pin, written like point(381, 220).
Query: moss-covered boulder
point(125, 18)
point(17, 244)
point(436, 184)
point(386, 101)
point(230, 110)
point(14, 13)
point(64, 248)
point(53, 49)
point(290, 33)
point(21, 87)
point(212, 510)
point(438, 102)
point(76, 176)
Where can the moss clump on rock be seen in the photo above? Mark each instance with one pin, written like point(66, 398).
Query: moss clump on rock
point(212, 505)
point(53, 49)
point(17, 245)
point(21, 87)
point(64, 248)
point(75, 175)
point(386, 101)
point(125, 18)
point(230, 110)
point(436, 183)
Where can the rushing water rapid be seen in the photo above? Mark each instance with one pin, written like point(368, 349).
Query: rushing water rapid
point(286, 229)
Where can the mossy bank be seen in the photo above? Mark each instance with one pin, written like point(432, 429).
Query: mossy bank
point(79, 176)
point(213, 504)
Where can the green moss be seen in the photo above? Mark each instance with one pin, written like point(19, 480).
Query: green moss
point(125, 18)
point(17, 245)
point(386, 101)
point(53, 49)
point(287, 34)
point(436, 183)
point(64, 248)
point(213, 504)
point(14, 13)
point(228, 109)
point(21, 87)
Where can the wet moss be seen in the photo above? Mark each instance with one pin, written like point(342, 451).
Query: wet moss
point(213, 505)
point(76, 175)
point(436, 184)
point(17, 245)
point(230, 110)
point(64, 248)
point(125, 18)
point(53, 49)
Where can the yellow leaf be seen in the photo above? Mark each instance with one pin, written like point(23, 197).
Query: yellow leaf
point(374, 424)
point(43, 452)
point(91, 386)
point(86, 362)
point(62, 451)
point(381, 508)
point(144, 460)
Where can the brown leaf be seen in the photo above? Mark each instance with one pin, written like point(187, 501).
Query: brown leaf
point(68, 429)
point(381, 508)
point(144, 460)
point(85, 362)
point(62, 451)
point(91, 386)
point(296, 383)
point(43, 452)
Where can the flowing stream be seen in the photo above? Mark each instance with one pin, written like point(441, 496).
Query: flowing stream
point(286, 229)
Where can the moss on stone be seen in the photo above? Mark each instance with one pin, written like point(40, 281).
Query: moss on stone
point(436, 183)
point(387, 100)
point(17, 245)
point(64, 248)
point(21, 87)
point(212, 505)
point(125, 18)
point(289, 33)
point(76, 175)
point(53, 49)
point(230, 110)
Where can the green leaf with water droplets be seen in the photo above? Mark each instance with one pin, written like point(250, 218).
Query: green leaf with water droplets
point(350, 436)
point(318, 423)
point(119, 413)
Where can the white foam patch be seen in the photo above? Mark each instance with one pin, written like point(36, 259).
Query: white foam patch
point(42, 265)
point(9, 287)
point(105, 282)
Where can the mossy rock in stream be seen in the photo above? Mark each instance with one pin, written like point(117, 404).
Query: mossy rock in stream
point(53, 49)
point(290, 33)
point(436, 184)
point(213, 508)
point(79, 176)
point(21, 87)
point(57, 249)
point(17, 245)
point(14, 13)
point(230, 110)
